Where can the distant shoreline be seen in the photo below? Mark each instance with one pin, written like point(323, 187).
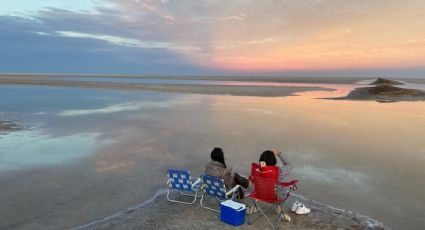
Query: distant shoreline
point(259, 77)
point(235, 90)
point(264, 91)
point(292, 79)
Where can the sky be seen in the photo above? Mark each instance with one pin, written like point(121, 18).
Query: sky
point(195, 37)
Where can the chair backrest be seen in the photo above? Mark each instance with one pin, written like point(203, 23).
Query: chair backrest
point(214, 186)
point(265, 180)
point(179, 179)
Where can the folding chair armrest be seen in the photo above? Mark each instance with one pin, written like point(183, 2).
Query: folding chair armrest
point(234, 189)
point(168, 181)
point(195, 184)
point(290, 183)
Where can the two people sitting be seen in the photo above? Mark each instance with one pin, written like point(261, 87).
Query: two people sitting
point(217, 167)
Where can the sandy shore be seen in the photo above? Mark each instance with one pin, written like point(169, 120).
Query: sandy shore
point(294, 79)
point(265, 91)
point(161, 214)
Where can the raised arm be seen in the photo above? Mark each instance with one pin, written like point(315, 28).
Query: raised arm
point(286, 167)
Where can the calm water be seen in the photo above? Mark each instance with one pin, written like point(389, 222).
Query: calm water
point(89, 153)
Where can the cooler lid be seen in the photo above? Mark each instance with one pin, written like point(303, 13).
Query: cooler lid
point(234, 205)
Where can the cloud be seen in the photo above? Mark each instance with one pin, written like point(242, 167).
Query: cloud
point(122, 41)
point(130, 106)
point(33, 44)
point(244, 36)
point(238, 17)
point(293, 35)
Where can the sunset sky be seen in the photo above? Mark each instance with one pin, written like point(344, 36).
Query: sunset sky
point(265, 37)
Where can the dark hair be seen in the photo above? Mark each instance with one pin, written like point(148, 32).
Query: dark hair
point(268, 157)
point(218, 155)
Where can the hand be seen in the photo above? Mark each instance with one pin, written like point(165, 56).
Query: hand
point(229, 170)
point(276, 152)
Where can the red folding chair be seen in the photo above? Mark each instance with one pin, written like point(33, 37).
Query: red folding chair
point(268, 189)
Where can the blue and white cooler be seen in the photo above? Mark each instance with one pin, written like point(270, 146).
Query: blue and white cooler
point(232, 212)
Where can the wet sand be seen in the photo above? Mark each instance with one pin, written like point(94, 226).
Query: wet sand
point(9, 126)
point(161, 214)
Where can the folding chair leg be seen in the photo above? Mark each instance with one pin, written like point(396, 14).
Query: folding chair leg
point(260, 213)
point(202, 204)
point(192, 195)
point(182, 202)
point(280, 214)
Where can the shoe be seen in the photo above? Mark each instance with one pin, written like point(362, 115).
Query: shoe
point(301, 210)
point(251, 210)
point(285, 217)
point(295, 205)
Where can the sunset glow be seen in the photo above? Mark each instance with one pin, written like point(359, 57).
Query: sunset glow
point(224, 36)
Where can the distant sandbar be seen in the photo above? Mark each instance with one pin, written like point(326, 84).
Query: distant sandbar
point(265, 91)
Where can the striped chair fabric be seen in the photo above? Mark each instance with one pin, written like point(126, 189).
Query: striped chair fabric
point(214, 186)
point(179, 179)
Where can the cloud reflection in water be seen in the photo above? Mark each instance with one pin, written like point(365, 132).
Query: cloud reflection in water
point(33, 148)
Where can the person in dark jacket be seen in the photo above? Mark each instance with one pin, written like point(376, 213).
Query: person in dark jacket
point(217, 167)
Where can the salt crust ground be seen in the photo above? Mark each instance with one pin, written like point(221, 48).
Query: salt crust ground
point(161, 214)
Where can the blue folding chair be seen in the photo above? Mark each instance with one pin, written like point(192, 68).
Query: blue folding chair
point(181, 181)
point(215, 187)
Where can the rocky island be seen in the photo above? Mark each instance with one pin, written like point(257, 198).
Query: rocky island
point(384, 91)
point(383, 81)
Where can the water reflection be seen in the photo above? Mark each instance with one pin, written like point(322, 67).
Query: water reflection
point(31, 148)
point(116, 145)
point(122, 107)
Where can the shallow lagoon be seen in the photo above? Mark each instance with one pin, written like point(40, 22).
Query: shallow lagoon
point(89, 153)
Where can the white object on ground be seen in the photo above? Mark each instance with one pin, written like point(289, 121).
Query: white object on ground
point(295, 205)
point(286, 217)
point(233, 205)
point(301, 210)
